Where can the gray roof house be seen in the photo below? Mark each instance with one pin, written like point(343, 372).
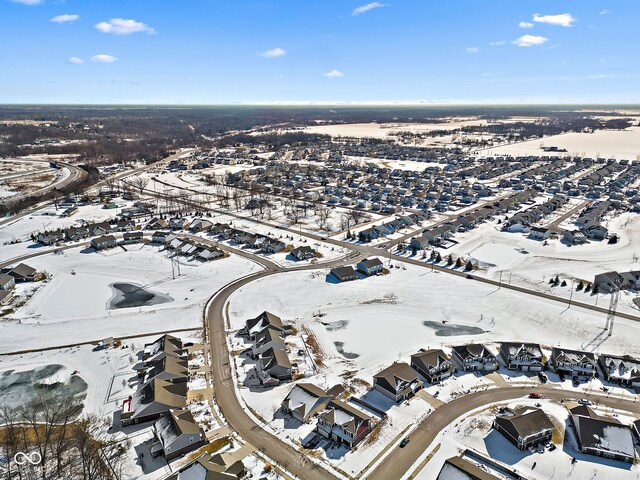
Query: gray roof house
point(344, 274)
point(343, 423)
point(573, 362)
point(474, 357)
point(103, 242)
point(7, 282)
point(524, 357)
point(221, 466)
point(23, 273)
point(273, 367)
point(177, 433)
point(457, 468)
point(370, 266)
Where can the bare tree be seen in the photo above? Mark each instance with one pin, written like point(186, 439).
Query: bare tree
point(140, 182)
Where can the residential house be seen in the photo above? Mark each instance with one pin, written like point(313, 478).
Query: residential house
point(153, 399)
point(5, 297)
point(103, 242)
point(132, 237)
point(539, 233)
point(457, 468)
point(7, 282)
point(574, 237)
point(623, 370)
point(343, 423)
point(398, 382)
point(157, 224)
point(177, 433)
point(304, 401)
point(370, 266)
point(602, 436)
point(23, 273)
point(160, 237)
point(303, 253)
point(524, 427)
point(434, 365)
point(523, 357)
point(262, 321)
point(474, 357)
point(344, 274)
point(273, 367)
point(573, 362)
point(221, 466)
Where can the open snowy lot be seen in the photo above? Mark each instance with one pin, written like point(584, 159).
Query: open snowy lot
point(364, 325)
point(74, 305)
point(531, 263)
point(620, 144)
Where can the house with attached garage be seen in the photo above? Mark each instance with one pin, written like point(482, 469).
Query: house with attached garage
point(539, 233)
point(368, 234)
point(163, 346)
point(7, 282)
point(132, 237)
point(157, 224)
point(623, 370)
point(209, 253)
point(5, 297)
point(524, 427)
point(221, 466)
point(304, 401)
point(574, 237)
point(344, 274)
point(177, 433)
point(104, 242)
point(573, 362)
point(303, 253)
point(474, 358)
point(398, 382)
point(269, 337)
point(23, 273)
point(97, 229)
point(273, 367)
point(421, 242)
point(602, 436)
point(343, 423)
point(153, 399)
point(271, 245)
point(177, 223)
point(434, 365)
point(523, 357)
point(370, 266)
point(160, 237)
point(457, 468)
point(262, 321)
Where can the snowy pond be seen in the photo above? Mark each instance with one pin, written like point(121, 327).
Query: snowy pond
point(452, 329)
point(21, 387)
point(127, 295)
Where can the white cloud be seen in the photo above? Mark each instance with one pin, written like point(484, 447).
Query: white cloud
point(605, 12)
point(530, 40)
point(561, 20)
point(75, 60)
point(497, 44)
point(473, 50)
point(525, 25)
point(367, 7)
point(333, 74)
point(122, 26)
point(274, 52)
point(66, 18)
point(28, 2)
point(104, 58)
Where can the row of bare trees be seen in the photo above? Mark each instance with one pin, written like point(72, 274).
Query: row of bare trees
point(64, 444)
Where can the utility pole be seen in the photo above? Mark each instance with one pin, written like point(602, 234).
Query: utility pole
point(500, 281)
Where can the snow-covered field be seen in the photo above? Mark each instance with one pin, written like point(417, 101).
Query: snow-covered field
point(531, 263)
point(380, 319)
point(73, 306)
point(621, 144)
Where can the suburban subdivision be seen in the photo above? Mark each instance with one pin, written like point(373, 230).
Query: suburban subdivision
point(329, 307)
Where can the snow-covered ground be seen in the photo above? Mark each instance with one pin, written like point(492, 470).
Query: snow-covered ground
point(620, 144)
point(532, 264)
point(73, 306)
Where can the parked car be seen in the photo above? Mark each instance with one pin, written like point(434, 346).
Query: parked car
point(543, 378)
point(584, 401)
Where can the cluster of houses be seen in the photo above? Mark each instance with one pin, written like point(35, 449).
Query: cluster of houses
point(521, 221)
point(337, 420)
point(610, 282)
point(266, 333)
point(391, 227)
point(438, 235)
point(162, 399)
point(10, 276)
point(263, 243)
point(368, 267)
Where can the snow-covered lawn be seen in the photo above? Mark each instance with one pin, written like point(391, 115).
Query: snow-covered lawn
point(74, 305)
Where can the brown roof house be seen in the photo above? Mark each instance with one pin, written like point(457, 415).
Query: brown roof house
point(343, 423)
point(457, 468)
point(177, 433)
point(434, 365)
point(398, 382)
point(304, 401)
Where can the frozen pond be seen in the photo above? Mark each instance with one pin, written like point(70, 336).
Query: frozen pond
point(127, 295)
point(20, 388)
point(452, 329)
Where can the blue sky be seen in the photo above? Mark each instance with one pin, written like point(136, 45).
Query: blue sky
point(296, 51)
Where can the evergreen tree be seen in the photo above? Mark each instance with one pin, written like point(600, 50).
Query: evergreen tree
point(564, 283)
point(580, 286)
point(438, 257)
point(587, 288)
point(458, 262)
point(469, 265)
point(449, 260)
